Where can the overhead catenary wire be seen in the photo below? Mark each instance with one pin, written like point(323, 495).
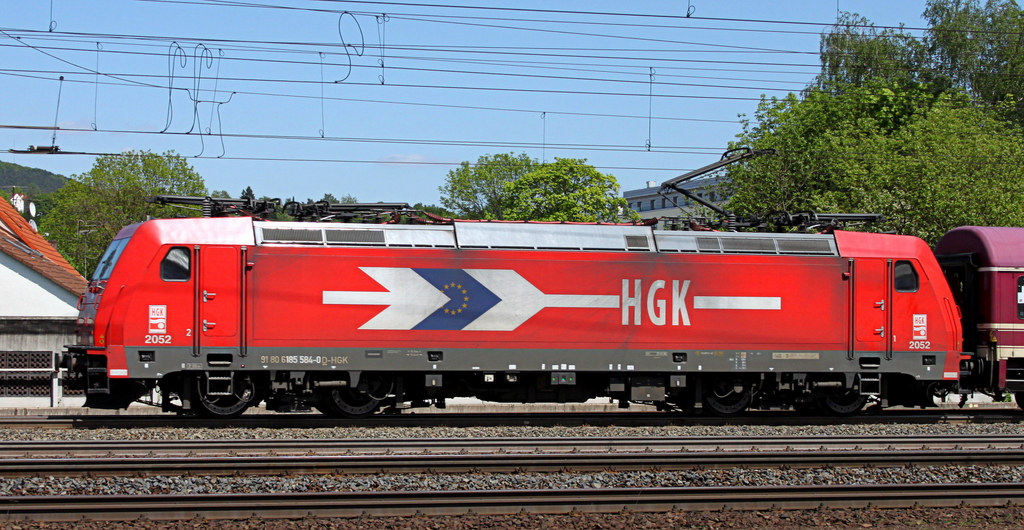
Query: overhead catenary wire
point(574, 12)
point(520, 51)
point(507, 62)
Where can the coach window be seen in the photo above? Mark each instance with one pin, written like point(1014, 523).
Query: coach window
point(176, 265)
point(906, 277)
point(1020, 297)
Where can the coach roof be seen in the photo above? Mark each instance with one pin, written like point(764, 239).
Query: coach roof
point(993, 246)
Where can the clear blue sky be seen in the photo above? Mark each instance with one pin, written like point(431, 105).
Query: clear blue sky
point(544, 78)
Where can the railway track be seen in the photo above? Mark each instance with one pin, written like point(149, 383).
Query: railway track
point(540, 419)
point(356, 504)
point(433, 446)
point(498, 463)
point(411, 456)
point(288, 459)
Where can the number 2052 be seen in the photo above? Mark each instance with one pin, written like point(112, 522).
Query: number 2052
point(158, 339)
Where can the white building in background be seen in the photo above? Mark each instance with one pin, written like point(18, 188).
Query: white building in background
point(39, 293)
point(650, 204)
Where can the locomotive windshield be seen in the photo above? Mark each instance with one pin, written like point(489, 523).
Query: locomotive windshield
point(109, 258)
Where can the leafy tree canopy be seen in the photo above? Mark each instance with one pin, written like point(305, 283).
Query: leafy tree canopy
point(979, 48)
point(927, 162)
point(90, 210)
point(855, 52)
point(926, 131)
point(970, 45)
point(479, 191)
point(566, 190)
point(329, 197)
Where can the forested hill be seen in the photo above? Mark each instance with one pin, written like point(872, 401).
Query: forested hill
point(30, 179)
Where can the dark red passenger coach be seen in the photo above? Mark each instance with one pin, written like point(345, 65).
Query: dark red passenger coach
point(985, 269)
point(214, 315)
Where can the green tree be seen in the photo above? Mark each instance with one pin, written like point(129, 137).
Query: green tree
point(89, 211)
point(974, 46)
point(926, 162)
point(44, 203)
point(855, 52)
point(566, 190)
point(344, 199)
point(980, 48)
point(247, 193)
point(279, 214)
point(480, 191)
point(220, 194)
point(434, 209)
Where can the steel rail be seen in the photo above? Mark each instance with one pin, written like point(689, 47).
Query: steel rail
point(433, 503)
point(494, 463)
point(567, 419)
point(377, 446)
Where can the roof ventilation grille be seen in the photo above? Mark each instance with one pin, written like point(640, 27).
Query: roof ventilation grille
point(753, 244)
point(637, 243)
point(709, 243)
point(804, 246)
point(355, 236)
point(292, 235)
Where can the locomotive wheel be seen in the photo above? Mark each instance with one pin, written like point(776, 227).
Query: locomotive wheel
point(230, 406)
point(349, 403)
point(1019, 397)
point(724, 400)
point(846, 404)
point(346, 403)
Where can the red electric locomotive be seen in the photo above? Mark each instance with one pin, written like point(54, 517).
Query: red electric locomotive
point(219, 314)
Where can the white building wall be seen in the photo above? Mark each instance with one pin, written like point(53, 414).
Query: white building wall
point(26, 293)
point(36, 334)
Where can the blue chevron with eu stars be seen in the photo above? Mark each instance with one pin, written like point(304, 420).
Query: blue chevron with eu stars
point(468, 299)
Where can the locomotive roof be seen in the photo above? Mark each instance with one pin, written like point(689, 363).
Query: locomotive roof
point(523, 236)
point(542, 236)
point(992, 246)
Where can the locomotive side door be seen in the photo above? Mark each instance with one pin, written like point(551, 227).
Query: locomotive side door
point(871, 306)
point(219, 301)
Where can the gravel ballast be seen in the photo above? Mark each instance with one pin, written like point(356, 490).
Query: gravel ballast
point(963, 517)
point(385, 433)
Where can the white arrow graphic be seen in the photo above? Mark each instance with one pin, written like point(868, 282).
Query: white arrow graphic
point(409, 297)
point(520, 300)
point(737, 302)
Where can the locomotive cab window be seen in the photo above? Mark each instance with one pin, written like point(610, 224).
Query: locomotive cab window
point(109, 259)
point(176, 265)
point(1020, 297)
point(906, 277)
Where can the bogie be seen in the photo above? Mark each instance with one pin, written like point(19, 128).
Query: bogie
point(223, 395)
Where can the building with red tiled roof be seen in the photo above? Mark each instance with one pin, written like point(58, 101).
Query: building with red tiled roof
point(35, 280)
point(39, 292)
